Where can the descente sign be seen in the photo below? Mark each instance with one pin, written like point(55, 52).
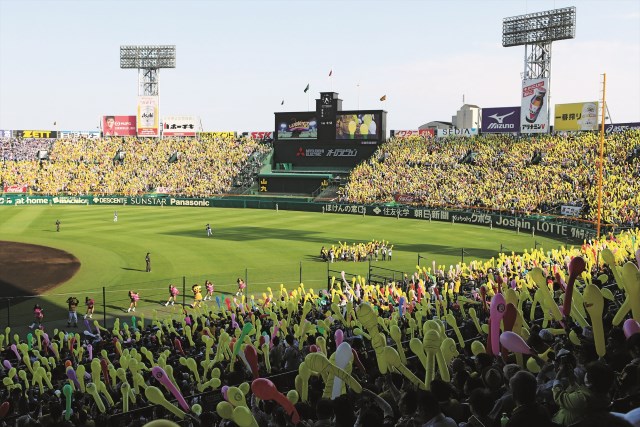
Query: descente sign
point(551, 227)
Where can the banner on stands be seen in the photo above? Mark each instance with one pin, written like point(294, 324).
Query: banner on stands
point(443, 133)
point(179, 126)
point(620, 127)
point(36, 134)
point(576, 116)
point(118, 125)
point(73, 134)
point(501, 120)
point(534, 111)
point(147, 117)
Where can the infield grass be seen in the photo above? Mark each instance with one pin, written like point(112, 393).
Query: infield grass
point(265, 246)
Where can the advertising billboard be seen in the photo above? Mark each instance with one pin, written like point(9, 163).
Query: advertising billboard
point(211, 135)
point(261, 136)
point(620, 127)
point(296, 126)
point(534, 112)
point(501, 120)
point(425, 133)
point(576, 116)
point(148, 116)
point(359, 126)
point(443, 133)
point(35, 134)
point(179, 126)
point(118, 125)
point(73, 134)
point(6, 133)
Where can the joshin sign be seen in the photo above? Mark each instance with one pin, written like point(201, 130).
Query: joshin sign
point(534, 112)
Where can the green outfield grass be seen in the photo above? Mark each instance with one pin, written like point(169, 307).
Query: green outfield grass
point(268, 247)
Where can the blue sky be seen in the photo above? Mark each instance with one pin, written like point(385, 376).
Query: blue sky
point(237, 60)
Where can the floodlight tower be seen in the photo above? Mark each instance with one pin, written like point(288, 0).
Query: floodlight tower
point(148, 60)
point(536, 31)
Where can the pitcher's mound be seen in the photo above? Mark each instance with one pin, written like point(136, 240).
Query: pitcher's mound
point(32, 269)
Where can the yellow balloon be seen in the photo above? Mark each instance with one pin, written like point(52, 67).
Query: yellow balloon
point(293, 396)
point(161, 423)
point(243, 417)
point(532, 365)
point(225, 410)
point(477, 347)
point(352, 127)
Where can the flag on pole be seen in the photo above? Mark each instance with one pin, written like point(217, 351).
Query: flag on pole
point(383, 98)
point(306, 89)
point(282, 103)
point(330, 73)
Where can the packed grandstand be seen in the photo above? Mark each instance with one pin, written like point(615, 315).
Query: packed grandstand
point(424, 350)
point(502, 175)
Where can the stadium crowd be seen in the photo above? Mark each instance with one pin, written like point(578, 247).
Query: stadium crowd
point(481, 344)
point(503, 176)
point(428, 172)
point(198, 167)
point(370, 251)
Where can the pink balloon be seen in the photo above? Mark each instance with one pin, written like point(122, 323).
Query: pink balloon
point(313, 348)
point(266, 390)
point(514, 343)
point(223, 390)
point(160, 375)
point(90, 348)
point(630, 327)
point(339, 336)
point(6, 364)
point(496, 313)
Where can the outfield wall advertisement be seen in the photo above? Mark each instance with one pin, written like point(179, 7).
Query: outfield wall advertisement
point(535, 225)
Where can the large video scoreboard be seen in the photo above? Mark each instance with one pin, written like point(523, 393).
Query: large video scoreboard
point(328, 136)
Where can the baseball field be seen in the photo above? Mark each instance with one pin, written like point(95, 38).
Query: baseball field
point(93, 255)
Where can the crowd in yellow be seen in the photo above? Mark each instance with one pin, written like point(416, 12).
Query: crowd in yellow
point(502, 176)
point(374, 250)
point(203, 167)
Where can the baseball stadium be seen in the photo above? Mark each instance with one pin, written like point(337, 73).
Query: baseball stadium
point(328, 271)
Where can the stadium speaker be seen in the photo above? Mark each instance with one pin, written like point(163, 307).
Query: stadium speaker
point(43, 155)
